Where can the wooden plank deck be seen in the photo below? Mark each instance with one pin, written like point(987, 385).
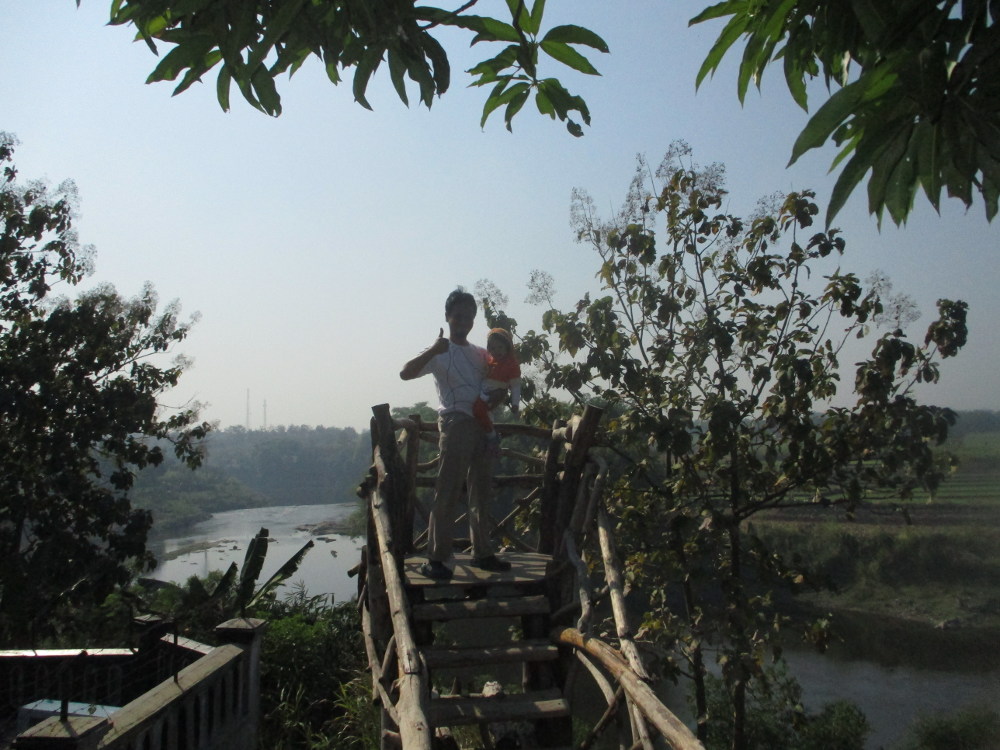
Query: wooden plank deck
point(526, 568)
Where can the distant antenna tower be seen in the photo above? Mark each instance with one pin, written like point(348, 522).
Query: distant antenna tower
point(248, 408)
point(265, 413)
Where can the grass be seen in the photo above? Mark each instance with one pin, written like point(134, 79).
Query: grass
point(937, 566)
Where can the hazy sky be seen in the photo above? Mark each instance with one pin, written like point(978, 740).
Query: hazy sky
point(319, 246)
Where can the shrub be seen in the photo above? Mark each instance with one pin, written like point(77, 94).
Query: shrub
point(972, 728)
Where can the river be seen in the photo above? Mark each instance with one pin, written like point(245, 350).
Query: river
point(323, 570)
point(891, 696)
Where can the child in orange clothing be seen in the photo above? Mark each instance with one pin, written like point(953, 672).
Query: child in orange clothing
point(503, 373)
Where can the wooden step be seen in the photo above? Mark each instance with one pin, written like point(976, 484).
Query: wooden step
point(524, 651)
point(455, 710)
point(514, 607)
point(527, 568)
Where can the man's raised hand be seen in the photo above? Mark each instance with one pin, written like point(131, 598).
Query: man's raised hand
point(441, 345)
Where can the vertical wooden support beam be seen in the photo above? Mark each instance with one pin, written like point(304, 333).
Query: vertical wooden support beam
point(395, 484)
point(547, 536)
point(412, 459)
point(583, 438)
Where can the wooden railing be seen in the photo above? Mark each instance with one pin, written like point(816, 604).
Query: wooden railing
point(209, 702)
point(567, 481)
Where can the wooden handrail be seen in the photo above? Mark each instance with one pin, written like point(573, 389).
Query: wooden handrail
point(673, 730)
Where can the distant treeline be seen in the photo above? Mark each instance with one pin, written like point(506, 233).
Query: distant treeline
point(978, 420)
point(251, 468)
point(302, 466)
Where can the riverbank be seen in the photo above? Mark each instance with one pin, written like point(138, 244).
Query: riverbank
point(893, 641)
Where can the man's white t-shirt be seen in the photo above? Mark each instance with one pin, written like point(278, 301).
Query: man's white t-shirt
point(458, 374)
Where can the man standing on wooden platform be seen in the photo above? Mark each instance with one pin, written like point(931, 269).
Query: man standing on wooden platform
point(458, 368)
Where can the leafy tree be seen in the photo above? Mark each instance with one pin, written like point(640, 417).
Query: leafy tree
point(777, 719)
point(78, 413)
point(918, 103)
point(715, 343)
point(254, 42)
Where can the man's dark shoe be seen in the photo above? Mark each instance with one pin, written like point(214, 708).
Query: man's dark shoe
point(492, 563)
point(436, 570)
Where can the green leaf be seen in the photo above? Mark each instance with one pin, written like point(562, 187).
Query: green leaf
point(889, 165)
point(194, 74)
point(397, 72)
point(420, 73)
point(562, 100)
point(925, 136)
point(570, 34)
point(795, 79)
point(850, 176)
point(991, 197)
point(222, 85)
point(834, 111)
point(367, 65)
point(522, 17)
point(537, 11)
point(544, 104)
point(728, 8)
point(275, 28)
point(500, 96)
point(568, 56)
point(180, 57)
point(286, 571)
point(736, 26)
point(515, 104)
point(253, 562)
point(266, 92)
point(489, 70)
point(439, 58)
point(496, 31)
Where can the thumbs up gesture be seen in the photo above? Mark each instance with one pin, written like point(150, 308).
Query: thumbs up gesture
point(441, 345)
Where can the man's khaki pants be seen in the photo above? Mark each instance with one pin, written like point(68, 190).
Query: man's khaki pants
point(463, 456)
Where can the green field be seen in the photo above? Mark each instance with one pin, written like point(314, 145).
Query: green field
point(976, 481)
point(936, 565)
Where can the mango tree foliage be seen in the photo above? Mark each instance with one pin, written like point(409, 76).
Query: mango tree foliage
point(716, 345)
point(918, 90)
point(253, 42)
point(78, 414)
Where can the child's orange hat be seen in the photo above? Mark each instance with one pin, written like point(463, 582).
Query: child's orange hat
point(504, 334)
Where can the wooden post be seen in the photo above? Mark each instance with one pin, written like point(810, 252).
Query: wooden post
point(71, 733)
point(583, 438)
point(547, 536)
point(248, 634)
point(395, 483)
point(412, 459)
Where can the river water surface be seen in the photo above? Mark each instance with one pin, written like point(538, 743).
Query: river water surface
point(892, 697)
point(323, 570)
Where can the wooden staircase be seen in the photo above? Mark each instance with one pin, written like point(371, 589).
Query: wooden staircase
point(500, 651)
point(479, 627)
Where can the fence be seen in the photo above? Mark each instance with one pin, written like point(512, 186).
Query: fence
point(176, 694)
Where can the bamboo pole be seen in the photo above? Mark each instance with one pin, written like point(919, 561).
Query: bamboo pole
point(614, 580)
point(610, 714)
point(373, 661)
point(669, 726)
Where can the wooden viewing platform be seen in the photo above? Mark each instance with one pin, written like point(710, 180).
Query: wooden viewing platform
point(498, 659)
